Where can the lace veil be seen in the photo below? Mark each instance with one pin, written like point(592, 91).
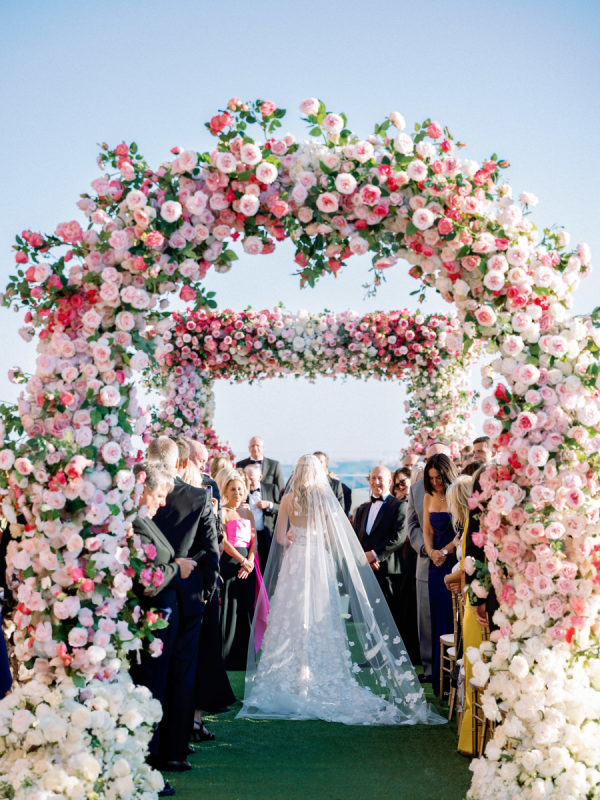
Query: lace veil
point(317, 569)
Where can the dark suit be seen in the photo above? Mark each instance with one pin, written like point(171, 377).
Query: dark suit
point(188, 523)
point(386, 539)
point(271, 493)
point(154, 673)
point(336, 488)
point(271, 470)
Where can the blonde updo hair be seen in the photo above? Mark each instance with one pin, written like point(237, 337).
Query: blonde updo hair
point(457, 497)
point(228, 475)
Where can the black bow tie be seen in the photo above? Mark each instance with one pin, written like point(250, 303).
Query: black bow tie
point(254, 461)
point(376, 499)
point(255, 491)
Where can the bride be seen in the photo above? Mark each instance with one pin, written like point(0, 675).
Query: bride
point(330, 649)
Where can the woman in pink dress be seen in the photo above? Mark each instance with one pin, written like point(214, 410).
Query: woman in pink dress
point(238, 569)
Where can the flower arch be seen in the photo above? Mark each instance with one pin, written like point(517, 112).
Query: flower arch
point(427, 351)
point(93, 301)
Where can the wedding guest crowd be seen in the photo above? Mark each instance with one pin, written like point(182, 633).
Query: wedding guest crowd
point(210, 536)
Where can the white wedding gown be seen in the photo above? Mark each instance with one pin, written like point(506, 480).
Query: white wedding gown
point(330, 650)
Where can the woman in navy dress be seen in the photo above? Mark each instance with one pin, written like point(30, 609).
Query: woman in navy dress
point(440, 545)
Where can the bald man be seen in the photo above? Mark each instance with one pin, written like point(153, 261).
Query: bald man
point(379, 525)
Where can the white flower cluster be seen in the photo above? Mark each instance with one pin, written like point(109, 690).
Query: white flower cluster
point(63, 742)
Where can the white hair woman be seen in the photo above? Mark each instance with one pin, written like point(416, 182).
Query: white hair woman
point(161, 596)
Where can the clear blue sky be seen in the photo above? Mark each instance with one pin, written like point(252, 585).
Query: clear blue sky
point(517, 78)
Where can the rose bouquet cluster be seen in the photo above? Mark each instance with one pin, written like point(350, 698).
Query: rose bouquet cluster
point(95, 299)
point(63, 741)
point(187, 408)
point(439, 407)
point(251, 345)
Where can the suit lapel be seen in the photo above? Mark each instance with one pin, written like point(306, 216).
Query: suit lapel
point(381, 514)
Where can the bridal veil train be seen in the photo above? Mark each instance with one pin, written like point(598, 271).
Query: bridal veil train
point(330, 649)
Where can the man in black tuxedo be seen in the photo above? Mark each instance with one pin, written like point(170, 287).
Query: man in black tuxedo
point(335, 483)
point(270, 469)
point(379, 525)
point(188, 522)
point(263, 499)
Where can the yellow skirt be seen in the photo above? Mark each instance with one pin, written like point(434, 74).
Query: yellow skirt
point(472, 637)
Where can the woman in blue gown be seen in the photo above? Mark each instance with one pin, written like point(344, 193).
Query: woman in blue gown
point(440, 545)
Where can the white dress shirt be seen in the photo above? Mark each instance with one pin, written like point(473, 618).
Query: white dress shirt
point(257, 513)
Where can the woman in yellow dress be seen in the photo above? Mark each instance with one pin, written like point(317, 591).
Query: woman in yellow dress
point(458, 502)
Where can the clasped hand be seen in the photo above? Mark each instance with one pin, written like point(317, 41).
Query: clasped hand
point(246, 568)
point(186, 565)
point(437, 557)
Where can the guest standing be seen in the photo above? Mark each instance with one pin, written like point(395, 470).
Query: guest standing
point(440, 546)
point(157, 673)
point(379, 525)
point(407, 599)
point(237, 569)
point(188, 522)
point(414, 526)
point(458, 502)
point(271, 469)
point(263, 500)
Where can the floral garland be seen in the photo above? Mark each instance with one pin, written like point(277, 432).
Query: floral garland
point(187, 408)
point(252, 345)
point(93, 297)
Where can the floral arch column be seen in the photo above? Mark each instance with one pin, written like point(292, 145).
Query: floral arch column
point(254, 345)
point(94, 301)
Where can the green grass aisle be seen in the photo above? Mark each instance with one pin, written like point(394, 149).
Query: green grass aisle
point(269, 759)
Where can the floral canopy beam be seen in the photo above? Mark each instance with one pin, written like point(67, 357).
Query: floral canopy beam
point(252, 345)
point(94, 300)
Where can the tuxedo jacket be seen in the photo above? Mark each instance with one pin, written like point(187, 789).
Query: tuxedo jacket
point(152, 596)
point(187, 521)
point(387, 534)
point(414, 528)
point(271, 471)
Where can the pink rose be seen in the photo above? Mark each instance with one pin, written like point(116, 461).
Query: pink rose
point(225, 162)
point(154, 239)
point(327, 202)
point(309, 106)
point(23, 465)
point(485, 316)
point(111, 452)
point(266, 172)
point(249, 205)
point(78, 637)
point(370, 194)
point(434, 130)
point(423, 219)
point(253, 245)
point(250, 154)
point(333, 124)
point(187, 294)
point(70, 232)
point(345, 183)
point(170, 211)
point(267, 107)
point(7, 459)
point(417, 171)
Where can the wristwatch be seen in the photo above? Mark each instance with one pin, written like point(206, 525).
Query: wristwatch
point(445, 551)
